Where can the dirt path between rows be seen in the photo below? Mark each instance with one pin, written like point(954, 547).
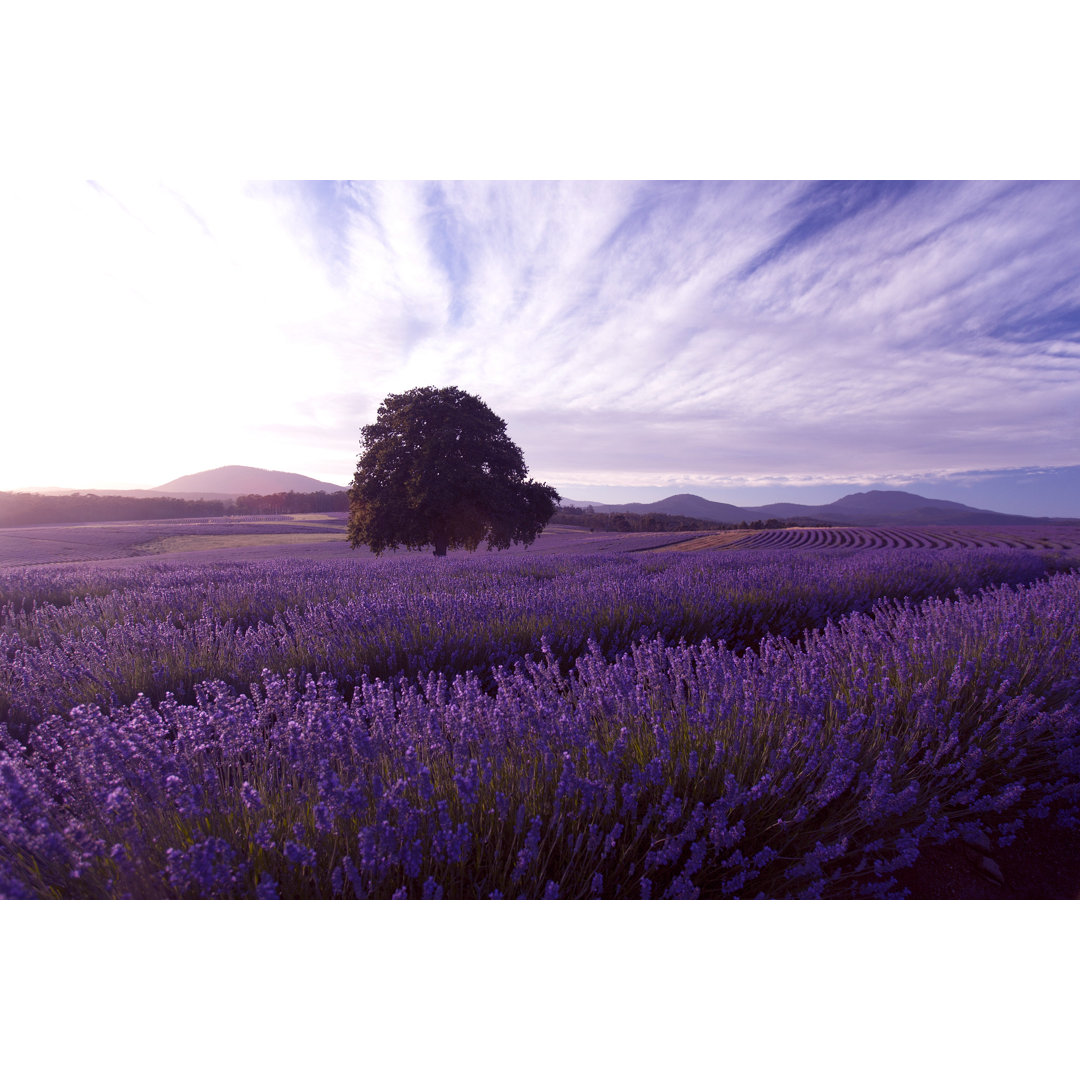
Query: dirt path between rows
point(1042, 863)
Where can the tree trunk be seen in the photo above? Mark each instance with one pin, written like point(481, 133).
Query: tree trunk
point(440, 545)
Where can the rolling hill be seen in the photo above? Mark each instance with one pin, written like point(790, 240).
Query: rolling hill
point(223, 484)
point(243, 480)
point(872, 508)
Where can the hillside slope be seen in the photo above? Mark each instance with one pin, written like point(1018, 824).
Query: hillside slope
point(870, 508)
point(245, 480)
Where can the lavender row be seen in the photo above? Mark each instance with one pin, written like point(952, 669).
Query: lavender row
point(1062, 538)
point(799, 770)
point(157, 631)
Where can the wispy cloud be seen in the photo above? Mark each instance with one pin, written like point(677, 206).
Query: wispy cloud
point(660, 332)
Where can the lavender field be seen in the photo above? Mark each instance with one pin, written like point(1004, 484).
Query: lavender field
point(40, 545)
point(573, 724)
point(863, 538)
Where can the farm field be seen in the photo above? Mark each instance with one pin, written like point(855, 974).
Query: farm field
point(322, 536)
point(576, 720)
point(318, 536)
point(939, 538)
point(38, 545)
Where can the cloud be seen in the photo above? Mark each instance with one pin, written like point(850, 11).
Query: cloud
point(748, 331)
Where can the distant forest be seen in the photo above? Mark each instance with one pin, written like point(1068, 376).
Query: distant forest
point(293, 502)
point(28, 508)
point(622, 521)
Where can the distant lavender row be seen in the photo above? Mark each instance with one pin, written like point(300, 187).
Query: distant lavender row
point(105, 636)
point(1029, 538)
point(799, 770)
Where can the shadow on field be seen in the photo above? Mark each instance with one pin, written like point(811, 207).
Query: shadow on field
point(1042, 863)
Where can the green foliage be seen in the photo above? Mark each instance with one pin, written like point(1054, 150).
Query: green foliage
point(654, 521)
point(293, 502)
point(623, 521)
point(30, 508)
point(438, 468)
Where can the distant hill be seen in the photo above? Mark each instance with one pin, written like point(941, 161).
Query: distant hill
point(225, 484)
point(687, 506)
point(244, 480)
point(1029, 490)
point(887, 506)
point(872, 508)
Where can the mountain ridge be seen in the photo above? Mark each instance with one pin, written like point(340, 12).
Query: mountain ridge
point(244, 480)
point(224, 484)
point(870, 508)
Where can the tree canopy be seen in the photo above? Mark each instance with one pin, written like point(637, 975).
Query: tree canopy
point(437, 467)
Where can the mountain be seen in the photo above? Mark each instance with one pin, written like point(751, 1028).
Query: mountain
point(887, 506)
point(243, 480)
point(1032, 491)
point(684, 505)
point(893, 508)
point(1027, 490)
point(872, 508)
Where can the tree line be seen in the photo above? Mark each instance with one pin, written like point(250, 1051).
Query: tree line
point(624, 521)
point(31, 508)
point(293, 502)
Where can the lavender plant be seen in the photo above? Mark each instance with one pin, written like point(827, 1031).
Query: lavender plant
point(71, 638)
point(805, 767)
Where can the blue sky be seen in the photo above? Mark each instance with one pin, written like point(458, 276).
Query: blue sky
point(746, 341)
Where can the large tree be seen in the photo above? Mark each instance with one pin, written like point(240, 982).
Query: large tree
point(437, 467)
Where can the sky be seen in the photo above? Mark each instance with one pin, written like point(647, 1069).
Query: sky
point(745, 341)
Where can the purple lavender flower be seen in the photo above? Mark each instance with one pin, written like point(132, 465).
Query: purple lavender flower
point(918, 712)
point(530, 851)
point(208, 869)
point(267, 889)
point(298, 854)
point(250, 797)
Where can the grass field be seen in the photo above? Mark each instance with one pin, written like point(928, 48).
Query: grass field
point(40, 545)
point(252, 538)
point(167, 545)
